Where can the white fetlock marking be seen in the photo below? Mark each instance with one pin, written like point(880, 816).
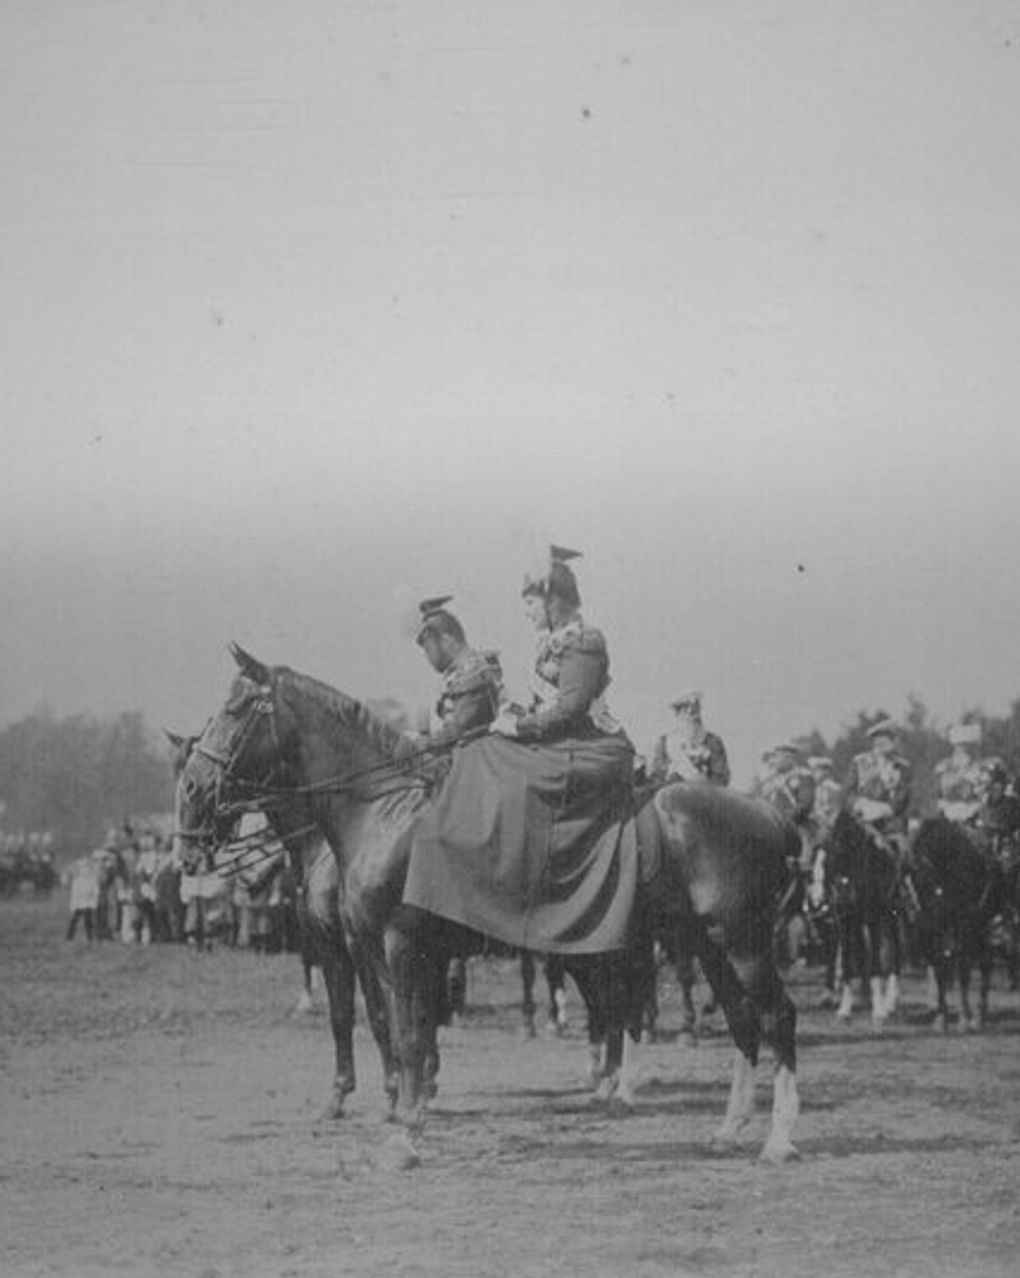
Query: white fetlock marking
point(740, 1109)
point(877, 1000)
point(630, 1072)
point(785, 1111)
point(892, 994)
point(846, 1004)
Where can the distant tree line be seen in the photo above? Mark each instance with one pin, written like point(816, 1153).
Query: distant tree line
point(923, 740)
point(77, 776)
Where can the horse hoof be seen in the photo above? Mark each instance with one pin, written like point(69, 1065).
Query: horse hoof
point(398, 1154)
point(334, 1111)
point(726, 1138)
point(647, 1038)
point(778, 1152)
point(604, 1092)
point(304, 1006)
point(621, 1106)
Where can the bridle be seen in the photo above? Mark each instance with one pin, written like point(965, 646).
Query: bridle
point(259, 708)
point(272, 787)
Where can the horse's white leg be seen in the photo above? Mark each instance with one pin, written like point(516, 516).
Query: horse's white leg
point(779, 1148)
point(892, 994)
point(931, 993)
point(846, 1003)
point(594, 1070)
point(878, 1005)
point(630, 1074)
point(740, 1109)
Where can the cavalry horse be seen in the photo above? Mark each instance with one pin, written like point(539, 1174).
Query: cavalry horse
point(962, 889)
point(322, 940)
point(862, 880)
point(283, 737)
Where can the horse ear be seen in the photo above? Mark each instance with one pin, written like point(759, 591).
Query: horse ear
point(249, 665)
point(176, 741)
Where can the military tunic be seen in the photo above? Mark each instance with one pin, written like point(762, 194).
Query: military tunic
point(468, 698)
point(700, 757)
point(873, 780)
point(960, 785)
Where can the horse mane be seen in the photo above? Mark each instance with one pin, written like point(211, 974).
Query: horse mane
point(352, 714)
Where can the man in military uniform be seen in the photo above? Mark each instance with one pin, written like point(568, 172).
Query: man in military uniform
point(690, 752)
point(959, 778)
point(828, 794)
point(787, 784)
point(472, 681)
point(877, 786)
point(789, 787)
point(469, 698)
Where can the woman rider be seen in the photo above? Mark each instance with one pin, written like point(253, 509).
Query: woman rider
point(526, 841)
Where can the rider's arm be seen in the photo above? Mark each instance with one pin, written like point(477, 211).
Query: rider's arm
point(660, 762)
point(718, 764)
point(473, 706)
point(582, 679)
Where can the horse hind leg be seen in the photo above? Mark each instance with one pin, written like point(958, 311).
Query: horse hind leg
point(778, 1023)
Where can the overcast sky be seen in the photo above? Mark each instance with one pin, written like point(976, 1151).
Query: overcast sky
point(309, 310)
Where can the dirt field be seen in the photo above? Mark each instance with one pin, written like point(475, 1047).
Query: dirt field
point(160, 1116)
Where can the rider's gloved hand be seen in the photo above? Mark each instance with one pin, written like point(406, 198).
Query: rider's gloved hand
point(504, 725)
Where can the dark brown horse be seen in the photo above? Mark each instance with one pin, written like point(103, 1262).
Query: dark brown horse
point(322, 940)
point(282, 736)
point(862, 880)
point(962, 889)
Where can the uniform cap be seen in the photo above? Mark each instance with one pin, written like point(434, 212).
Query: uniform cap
point(965, 734)
point(430, 610)
point(884, 728)
point(556, 579)
point(789, 747)
point(819, 761)
point(687, 701)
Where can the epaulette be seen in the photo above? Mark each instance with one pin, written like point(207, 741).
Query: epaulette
point(477, 672)
point(588, 640)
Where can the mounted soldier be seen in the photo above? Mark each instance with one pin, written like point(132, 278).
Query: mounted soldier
point(472, 683)
point(468, 699)
point(959, 778)
point(689, 752)
point(788, 786)
point(878, 786)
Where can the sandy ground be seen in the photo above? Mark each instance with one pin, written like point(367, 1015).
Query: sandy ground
point(160, 1115)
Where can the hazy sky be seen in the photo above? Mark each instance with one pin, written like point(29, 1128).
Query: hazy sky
point(311, 309)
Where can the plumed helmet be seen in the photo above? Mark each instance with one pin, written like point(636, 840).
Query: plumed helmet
point(884, 728)
point(434, 616)
point(558, 578)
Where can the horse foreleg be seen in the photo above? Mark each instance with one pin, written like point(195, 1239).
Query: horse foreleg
point(527, 994)
point(338, 976)
point(378, 994)
point(413, 995)
point(556, 984)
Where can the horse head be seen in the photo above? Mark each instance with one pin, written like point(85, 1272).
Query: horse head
point(239, 758)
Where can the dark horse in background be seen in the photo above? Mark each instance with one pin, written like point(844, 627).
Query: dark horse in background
point(862, 883)
point(961, 888)
point(284, 735)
